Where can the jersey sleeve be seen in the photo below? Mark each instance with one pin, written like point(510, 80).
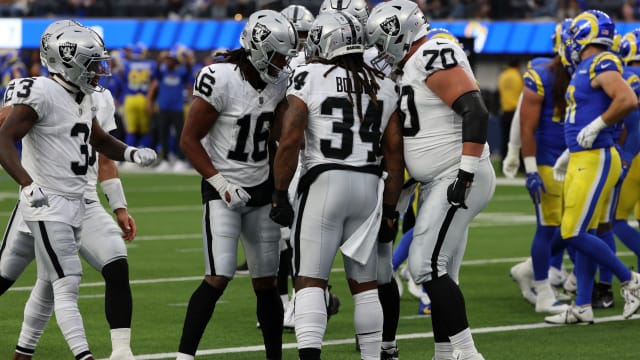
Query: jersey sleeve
point(299, 83)
point(533, 81)
point(604, 62)
point(28, 91)
point(634, 82)
point(438, 54)
point(211, 86)
point(105, 112)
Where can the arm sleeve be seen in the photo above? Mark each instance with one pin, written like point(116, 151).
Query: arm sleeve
point(514, 132)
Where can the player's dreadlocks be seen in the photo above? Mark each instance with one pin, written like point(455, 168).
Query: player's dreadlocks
point(240, 58)
point(560, 85)
point(361, 76)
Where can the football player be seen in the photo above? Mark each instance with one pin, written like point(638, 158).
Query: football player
point(598, 89)
point(53, 172)
point(446, 151)
point(227, 139)
point(345, 111)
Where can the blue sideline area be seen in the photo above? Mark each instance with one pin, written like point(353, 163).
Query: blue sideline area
point(499, 37)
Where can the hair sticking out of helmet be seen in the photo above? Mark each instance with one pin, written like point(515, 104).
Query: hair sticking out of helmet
point(271, 41)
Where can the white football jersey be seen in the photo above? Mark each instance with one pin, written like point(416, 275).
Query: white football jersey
point(298, 60)
point(104, 109)
point(432, 130)
point(237, 143)
point(335, 134)
point(56, 151)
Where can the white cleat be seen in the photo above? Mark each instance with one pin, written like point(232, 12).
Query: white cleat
point(631, 294)
point(574, 315)
point(414, 289)
point(571, 284)
point(546, 301)
point(522, 274)
point(459, 355)
point(122, 354)
point(557, 277)
point(398, 280)
point(289, 320)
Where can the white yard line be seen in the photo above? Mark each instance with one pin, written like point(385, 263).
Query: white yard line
point(411, 336)
point(478, 262)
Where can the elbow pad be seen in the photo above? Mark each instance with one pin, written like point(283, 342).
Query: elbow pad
point(475, 117)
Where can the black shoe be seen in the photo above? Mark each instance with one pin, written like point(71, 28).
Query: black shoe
point(389, 354)
point(602, 297)
point(242, 269)
point(333, 304)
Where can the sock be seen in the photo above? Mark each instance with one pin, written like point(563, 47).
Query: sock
point(285, 301)
point(409, 218)
point(284, 270)
point(131, 139)
point(309, 354)
point(447, 298)
point(463, 341)
point(270, 314)
point(120, 339)
point(65, 292)
point(199, 312)
point(443, 351)
point(145, 140)
point(557, 249)
point(439, 326)
point(595, 248)
point(367, 320)
point(401, 251)
point(585, 271)
point(390, 302)
point(606, 276)
point(629, 236)
point(37, 312)
point(311, 319)
point(541, 251)
point(5, 284)
point(117, 294)
point(388, 345)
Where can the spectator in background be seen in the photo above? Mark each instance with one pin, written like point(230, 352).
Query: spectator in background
point(11, 67)
point(544, 8)
point(436, 9)
point(510, 86)
point(464, 9)
point(14, 8)
point(167, 90)
point(631, 10)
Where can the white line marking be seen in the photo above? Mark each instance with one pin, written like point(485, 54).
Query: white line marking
point(485, 330)
point(478, 262)
point(92, 296)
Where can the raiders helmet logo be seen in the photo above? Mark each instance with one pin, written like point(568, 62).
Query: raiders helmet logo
point(315, 34)
point(44, 42)
point(67, 51)
point(391, 26)
point(260, 33)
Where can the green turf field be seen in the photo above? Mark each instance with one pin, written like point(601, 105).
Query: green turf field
point(166, 265)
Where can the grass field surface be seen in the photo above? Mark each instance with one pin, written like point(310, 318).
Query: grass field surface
point(166, 265)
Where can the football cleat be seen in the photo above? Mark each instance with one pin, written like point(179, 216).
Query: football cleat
point(602, 297)
point(631, 294)
point(389, 354)
point(561, 295)
point(242, 269)
point(289, 319)
point(522, 274)
point(459, 355)
point(424, 309)
point(546, 301)
point(414, 289)
point(557, 277)
point(574, 315)
point(122, 354)
point(571, 284)
point(332, 301)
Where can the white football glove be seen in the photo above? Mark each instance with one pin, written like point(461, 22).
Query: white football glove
point(560, 166)
point(233, 195)
point(35, 196)
point(144, 156)
point(589, 133)
point(511, 162)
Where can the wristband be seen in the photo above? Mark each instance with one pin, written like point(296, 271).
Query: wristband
point(112, 189)
point(469, 163)
point(530, 164)
point(128, 153)
point(219, 183)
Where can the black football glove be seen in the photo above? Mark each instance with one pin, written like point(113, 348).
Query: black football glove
point(387, 233)
point(281, 210)
point(459, 190)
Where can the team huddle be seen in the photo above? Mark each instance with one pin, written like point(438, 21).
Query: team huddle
point(302, 137)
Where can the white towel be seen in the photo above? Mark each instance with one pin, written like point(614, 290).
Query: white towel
point(360, 244)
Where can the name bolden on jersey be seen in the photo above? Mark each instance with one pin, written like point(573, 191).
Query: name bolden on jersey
point(345, 85)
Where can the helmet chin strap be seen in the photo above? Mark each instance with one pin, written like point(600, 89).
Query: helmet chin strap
point(71, 88)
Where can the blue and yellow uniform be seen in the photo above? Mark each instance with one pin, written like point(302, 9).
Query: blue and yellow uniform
point(630, 189)
point(137, 77)
point(549, 141)
point(592, 173)
point(11, 68)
